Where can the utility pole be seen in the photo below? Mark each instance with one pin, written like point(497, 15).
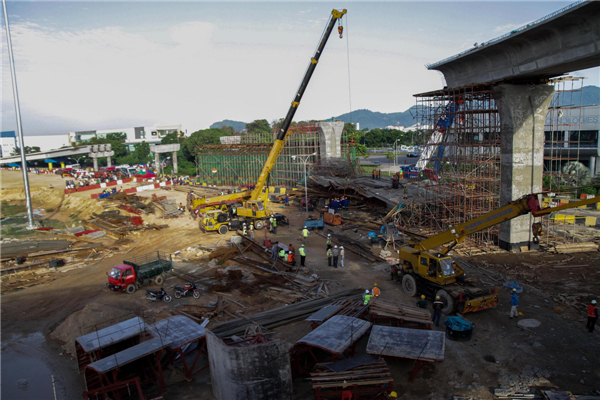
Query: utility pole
point(30, 223)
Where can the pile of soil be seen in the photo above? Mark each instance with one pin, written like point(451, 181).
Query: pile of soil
point(92, 317)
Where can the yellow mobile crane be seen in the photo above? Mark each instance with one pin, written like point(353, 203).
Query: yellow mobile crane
point(432, 273)
point(222, 213)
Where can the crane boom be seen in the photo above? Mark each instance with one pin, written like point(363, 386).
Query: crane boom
point(280, 140)
point(522, 206)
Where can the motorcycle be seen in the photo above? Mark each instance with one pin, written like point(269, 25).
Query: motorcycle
point(189, 289)
point(158, 295)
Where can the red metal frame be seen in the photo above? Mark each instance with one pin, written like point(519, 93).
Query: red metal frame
point(356, 391)
point(188, 370)
point(102, 392)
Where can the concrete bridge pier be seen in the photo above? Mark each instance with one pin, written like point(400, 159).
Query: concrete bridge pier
point(174, 162)
point(522, 110)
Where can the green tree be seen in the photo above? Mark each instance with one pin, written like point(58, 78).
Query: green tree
point(201, 138)
point(173, 137)
point(141, 152)
point(28, 150)
point(259, 125)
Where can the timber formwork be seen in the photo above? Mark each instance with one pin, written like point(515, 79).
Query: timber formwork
point(241, 163)
point(465, 159)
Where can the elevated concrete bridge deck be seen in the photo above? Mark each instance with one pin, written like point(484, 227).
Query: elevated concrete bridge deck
point(564, 41)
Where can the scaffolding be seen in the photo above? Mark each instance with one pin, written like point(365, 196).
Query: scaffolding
point(463, 161)
point(240, 164)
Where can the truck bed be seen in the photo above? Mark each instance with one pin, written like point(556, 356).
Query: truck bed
point(151, 264)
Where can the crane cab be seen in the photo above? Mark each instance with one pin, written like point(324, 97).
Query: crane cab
point(253, 209)
point(438, 268)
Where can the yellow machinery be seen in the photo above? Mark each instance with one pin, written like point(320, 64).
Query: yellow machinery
point(252, 205)
point(424, 270)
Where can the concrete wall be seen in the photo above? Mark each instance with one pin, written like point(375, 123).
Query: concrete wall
point(254, 372)
point(522, 110)
point(330, 139)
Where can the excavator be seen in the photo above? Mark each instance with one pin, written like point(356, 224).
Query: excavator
point(221, 213)
point(424, 270)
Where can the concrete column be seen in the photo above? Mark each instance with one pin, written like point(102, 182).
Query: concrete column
point(108, 162)
point(330, 139)
point(522, 110)
point(157, 162)
point(594, 166)
point(95, 163)
point(174, 162)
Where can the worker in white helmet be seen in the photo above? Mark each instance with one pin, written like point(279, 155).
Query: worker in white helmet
point(367, 297)
point(328, 241)
point(437, 310)
point(305, 235)
point(336, 256)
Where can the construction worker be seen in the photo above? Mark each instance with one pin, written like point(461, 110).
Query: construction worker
point(302, 252)
point(282, 254)
point(287, 200)
point(592, 315)
point(367, 297)
point(437, 310)
point(292, 249)
point(328, 241)
point(244, 230)
point(342, 252)
point(514, 303)
point(422, 303)
point(375, 291)
point(305, 235)
point(252, 230)
point(291, 259)
point(274, 225)
point(393, 395)
point(329, 256)
point(275, 251)
point(336, 256)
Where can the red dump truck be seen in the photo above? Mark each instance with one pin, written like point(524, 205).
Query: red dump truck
point(140, 271)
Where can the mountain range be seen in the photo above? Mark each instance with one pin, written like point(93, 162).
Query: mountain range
point(367, 119)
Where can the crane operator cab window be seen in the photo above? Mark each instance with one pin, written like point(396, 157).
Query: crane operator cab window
point(446, 267)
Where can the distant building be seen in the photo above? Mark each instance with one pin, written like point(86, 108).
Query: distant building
point(148, 134)
point(8, 142)
point(572, 135)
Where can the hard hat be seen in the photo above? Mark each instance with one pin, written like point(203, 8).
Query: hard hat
point(514, 290)
point(329, 234)
point(593, 301)
point(341, 247)
point(290, 252)
point(423, 296)
point(367, 291)
point(304, 226)
point(244, 224)
point(393, 394)
point(301, 245)
point(437, 297)
point(335, 247)
point(375, 285)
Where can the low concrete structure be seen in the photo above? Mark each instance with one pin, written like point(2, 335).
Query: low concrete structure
point(251, 371)
point(166, 148)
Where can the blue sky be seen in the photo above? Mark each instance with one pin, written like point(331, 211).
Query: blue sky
point(83, 65)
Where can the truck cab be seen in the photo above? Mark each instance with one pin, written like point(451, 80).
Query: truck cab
point(121, 276)
point(438, 268)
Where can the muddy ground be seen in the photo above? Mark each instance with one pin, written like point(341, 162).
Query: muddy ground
point(560, 353)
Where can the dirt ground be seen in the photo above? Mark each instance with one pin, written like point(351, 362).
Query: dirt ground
point(560, 353)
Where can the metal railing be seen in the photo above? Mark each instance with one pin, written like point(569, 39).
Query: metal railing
point(499, 38)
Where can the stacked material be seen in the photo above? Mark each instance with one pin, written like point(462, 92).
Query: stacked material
point(333, 379)
point(399, 313)
point(284, 315)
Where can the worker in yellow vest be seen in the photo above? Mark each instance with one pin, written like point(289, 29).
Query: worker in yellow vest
point(305, 235)
point(375, 291)
point(367, 297)
point(244, 230)
point(302, 252)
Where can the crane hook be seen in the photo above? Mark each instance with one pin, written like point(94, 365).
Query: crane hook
point(340, 29)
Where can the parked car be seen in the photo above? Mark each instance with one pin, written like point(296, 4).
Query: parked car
point(412, 155)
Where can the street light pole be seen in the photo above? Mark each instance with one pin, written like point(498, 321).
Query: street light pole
point(30, 222)
point(305, 160)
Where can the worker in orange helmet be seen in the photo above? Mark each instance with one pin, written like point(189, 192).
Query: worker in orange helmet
point(375, 291)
